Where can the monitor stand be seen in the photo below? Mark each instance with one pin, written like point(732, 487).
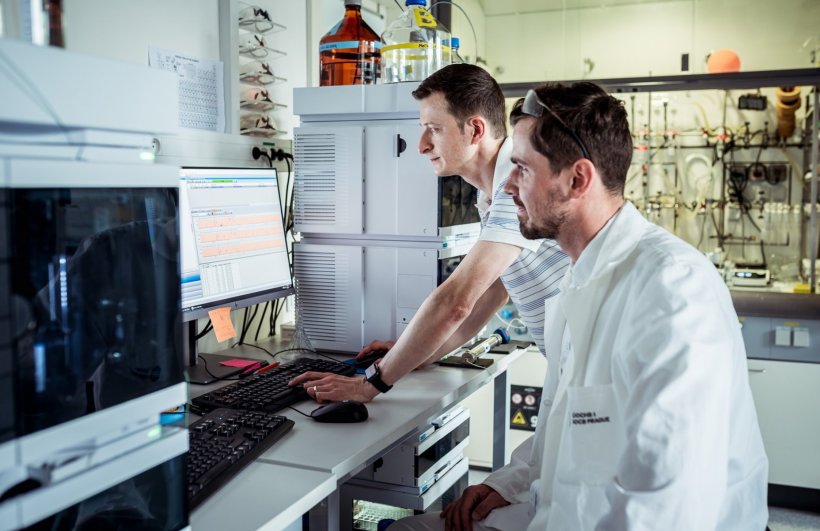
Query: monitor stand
point(209, 369)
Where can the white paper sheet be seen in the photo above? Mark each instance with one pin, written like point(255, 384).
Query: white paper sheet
point(201, 92)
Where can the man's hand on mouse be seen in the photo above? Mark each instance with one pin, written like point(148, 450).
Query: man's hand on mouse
point(376, 344)
point(327, 387)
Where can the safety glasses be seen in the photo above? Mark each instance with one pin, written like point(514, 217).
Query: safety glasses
point(533, 106)
point(257, 125)
point(257, 99)
point(258, 73)
point(254, 18)
point(255, 47)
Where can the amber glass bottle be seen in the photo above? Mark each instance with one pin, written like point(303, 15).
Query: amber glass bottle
point(350, 53)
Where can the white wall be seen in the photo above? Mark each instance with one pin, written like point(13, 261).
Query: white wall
point(639, 39)
point(460, 28)
point(124, 30)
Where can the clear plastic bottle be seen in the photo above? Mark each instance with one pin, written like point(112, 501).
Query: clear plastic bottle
point(455, 57)
point(350, 53)
point(415, 45)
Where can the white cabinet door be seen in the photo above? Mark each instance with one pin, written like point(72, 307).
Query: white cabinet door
point(787, 399)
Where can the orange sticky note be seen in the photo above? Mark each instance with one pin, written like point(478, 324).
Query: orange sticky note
point(223, 326)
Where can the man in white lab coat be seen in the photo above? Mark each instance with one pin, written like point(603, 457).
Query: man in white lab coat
point(649, 420)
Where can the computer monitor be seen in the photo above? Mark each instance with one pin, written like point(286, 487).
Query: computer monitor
point(232, 242)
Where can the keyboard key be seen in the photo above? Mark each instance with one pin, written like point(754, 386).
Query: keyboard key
point(268, 391)
point(222, 443)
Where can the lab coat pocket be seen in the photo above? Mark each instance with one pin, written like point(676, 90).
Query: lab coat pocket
point(592, 438)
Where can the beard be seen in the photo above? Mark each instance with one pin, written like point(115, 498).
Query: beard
point(548, 226)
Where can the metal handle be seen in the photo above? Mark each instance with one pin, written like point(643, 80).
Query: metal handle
point(401, 145)
point(757, 370)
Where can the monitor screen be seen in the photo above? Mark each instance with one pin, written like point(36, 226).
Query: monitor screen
point(90, 299)
point(232, 239)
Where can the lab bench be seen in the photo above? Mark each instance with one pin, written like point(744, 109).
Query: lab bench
point(782, 336)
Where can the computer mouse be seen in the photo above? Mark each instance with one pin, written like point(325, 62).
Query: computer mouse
point(344, 411)
point(369, 358)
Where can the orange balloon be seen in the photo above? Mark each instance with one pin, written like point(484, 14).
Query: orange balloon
point(723, 61)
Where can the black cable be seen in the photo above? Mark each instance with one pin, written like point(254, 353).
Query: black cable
point(328, 357)
point(292, 349)
point(261, 320)
point(212, 375)
point(257, 153)
point(242, 333)
point(300, 412)
point(268, 352)
point(290, 220)
point(246, 327)
point(208, 327)
point(308, 350)
point(254, 311)
point(748, 215)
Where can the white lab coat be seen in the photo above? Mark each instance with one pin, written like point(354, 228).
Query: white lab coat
point(651, 424)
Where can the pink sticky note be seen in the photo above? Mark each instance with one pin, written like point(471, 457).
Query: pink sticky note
point(237, 363)
point(221, 321)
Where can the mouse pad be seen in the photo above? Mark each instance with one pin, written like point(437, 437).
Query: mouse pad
point(456, 361)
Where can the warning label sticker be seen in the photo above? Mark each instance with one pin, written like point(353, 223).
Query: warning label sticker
point(524, 401)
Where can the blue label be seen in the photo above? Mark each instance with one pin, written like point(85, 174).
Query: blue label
point(346, 45)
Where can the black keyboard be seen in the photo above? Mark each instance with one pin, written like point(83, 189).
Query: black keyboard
point(268, 391)
point(223, 442)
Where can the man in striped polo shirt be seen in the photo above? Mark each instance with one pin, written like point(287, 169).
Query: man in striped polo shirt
point(462, 113)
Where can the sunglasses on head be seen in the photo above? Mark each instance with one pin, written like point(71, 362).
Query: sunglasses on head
point(533, 106)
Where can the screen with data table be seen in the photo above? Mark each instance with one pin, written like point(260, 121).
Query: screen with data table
point(232, 244)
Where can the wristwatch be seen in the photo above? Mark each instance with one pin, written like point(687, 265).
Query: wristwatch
point(373, 375)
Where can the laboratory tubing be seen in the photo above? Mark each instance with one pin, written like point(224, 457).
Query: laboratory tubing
point(350, 53)
point(415, 45)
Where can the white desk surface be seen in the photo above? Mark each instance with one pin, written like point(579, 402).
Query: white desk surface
point(309, 463)
point(263, 496)
point(344, 449)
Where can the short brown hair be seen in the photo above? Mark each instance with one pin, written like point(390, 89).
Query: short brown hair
point(469, 91)
point(597, 118)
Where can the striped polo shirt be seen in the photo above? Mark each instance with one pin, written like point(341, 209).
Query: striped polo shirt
point(537, 272)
